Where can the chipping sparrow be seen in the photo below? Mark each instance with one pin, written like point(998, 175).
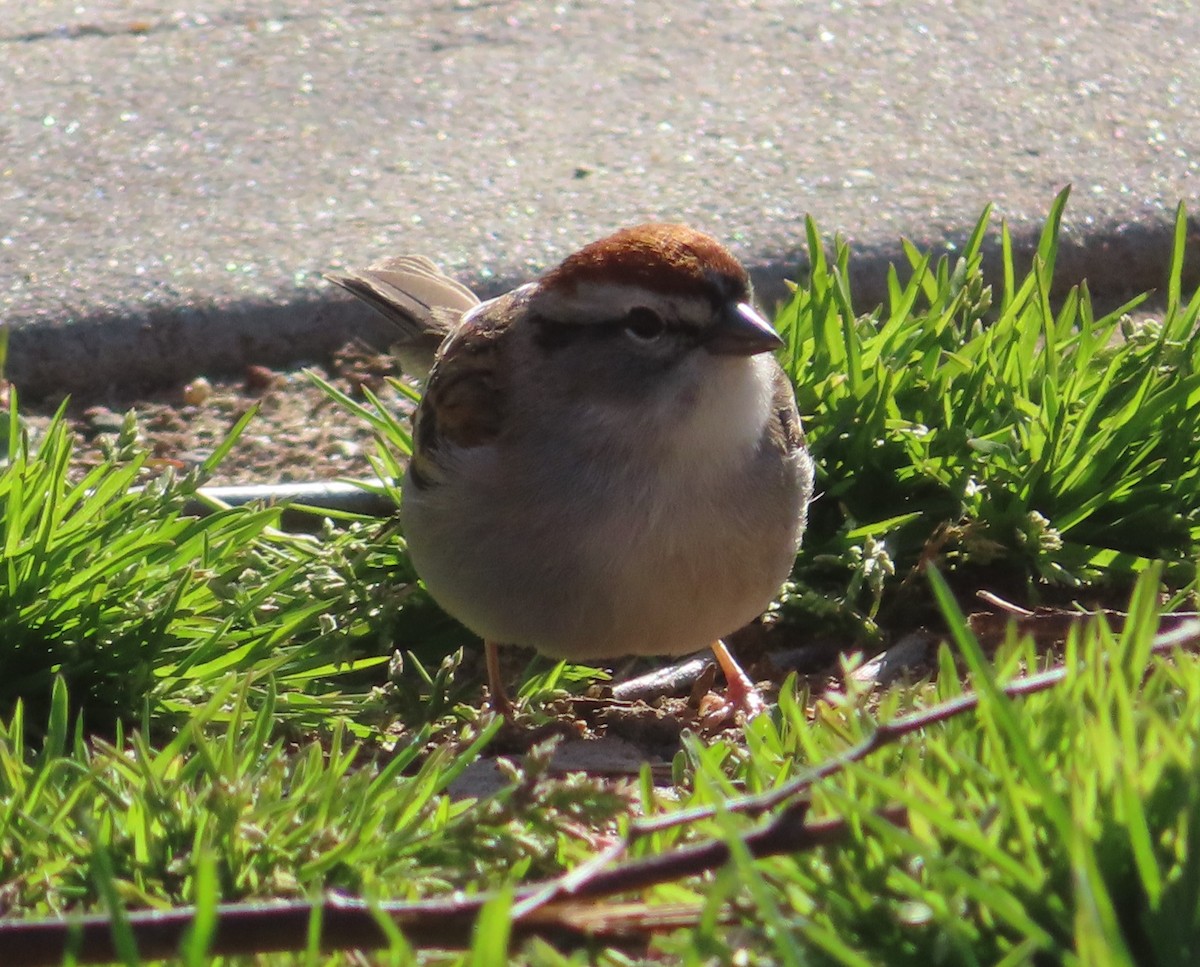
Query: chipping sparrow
point(606, 461)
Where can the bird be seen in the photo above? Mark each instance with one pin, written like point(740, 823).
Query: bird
point(607, 460)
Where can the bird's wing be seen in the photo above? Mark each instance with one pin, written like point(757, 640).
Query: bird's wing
point(464, 402)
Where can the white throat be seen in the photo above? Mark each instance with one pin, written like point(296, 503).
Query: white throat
point(727, 416)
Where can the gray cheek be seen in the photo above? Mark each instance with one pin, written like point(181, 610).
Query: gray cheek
point(615, 371)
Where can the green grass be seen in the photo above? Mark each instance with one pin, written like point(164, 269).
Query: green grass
point(1044, 448)
point(143, 610)
point(196, 710)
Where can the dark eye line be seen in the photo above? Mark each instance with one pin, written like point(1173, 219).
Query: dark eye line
point(552, 335)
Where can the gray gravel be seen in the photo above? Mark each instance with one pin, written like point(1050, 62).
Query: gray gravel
point(173, 184)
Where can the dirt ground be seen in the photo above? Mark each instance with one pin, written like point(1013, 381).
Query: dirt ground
point(299, 433)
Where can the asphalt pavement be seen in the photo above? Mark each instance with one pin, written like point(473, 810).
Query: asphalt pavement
point(174, 182)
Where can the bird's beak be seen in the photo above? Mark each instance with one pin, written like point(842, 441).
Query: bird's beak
point(741, 331)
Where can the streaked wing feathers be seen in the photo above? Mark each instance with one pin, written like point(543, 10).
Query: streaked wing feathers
point(464, 401)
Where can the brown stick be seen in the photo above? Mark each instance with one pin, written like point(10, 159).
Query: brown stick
point(253, 928)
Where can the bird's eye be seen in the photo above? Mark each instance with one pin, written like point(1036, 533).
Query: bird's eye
point(644, 325)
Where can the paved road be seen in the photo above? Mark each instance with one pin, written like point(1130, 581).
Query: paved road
point(172, 184)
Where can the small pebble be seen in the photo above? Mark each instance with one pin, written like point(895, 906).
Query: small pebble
point(260, 378)
point(103, 420)
point(197, 391)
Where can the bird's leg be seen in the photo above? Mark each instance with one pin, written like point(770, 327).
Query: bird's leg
point(497, 696)
point(740, 692)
